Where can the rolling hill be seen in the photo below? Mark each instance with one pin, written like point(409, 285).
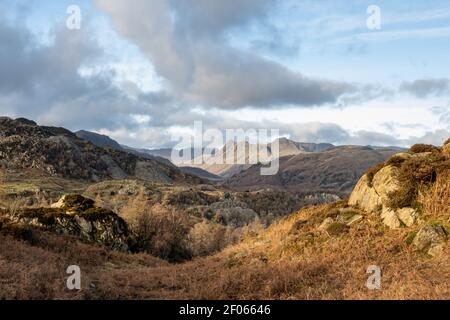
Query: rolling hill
point(333, 170)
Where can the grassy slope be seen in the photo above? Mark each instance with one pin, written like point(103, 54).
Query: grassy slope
point(291, 260)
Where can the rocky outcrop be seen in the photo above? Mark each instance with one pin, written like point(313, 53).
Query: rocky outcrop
point(385, 182)
point(407, 216)
point(390, 218)
point(392, 189)
point(77, 216)
point(374, 197)
point(365, 196)
point(395, 218)
point(60, 153)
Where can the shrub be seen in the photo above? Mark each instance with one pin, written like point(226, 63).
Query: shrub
point(436, 199)
point(190, 198)
point(18, 232)
point(414, 173)
point(235, 216)
point(206, 238)
point(77, 202)
point(93, 214)
point(419, 148)
point(163, 234)
point(45, 216)
point(395, 161)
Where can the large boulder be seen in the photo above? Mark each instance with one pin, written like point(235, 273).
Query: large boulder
point(385, 182)
point(373, 196)
point(78, 216)
point(365, 197)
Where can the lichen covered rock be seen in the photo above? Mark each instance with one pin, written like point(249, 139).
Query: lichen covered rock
point(393, 189)
point(77, 216)
point(365, 197)
point(385, 182)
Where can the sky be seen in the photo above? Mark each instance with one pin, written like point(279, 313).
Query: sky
point(143, 71)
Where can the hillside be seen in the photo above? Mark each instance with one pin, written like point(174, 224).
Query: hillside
point(99, 140)
point(200, 220)
point(320, 252)
point(130, 198)
point(104, 141)
point(334, 170)
point(303, 146)
point(163, 153)
point(203, 174)
point(57, 152)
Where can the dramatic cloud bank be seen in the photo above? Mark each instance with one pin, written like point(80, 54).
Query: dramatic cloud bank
point(205, 74)
point(186, 40)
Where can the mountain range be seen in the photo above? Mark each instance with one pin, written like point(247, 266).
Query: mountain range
point(281, 147)
point(160, 155)
point(84, 155)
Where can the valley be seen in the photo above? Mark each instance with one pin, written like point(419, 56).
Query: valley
point(141, 228)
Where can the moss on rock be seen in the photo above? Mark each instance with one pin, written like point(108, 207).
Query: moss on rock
point(77, 216)
point(77, 202)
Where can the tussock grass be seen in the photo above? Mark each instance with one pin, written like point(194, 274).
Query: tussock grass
point(435, 200)
point(415, 173)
